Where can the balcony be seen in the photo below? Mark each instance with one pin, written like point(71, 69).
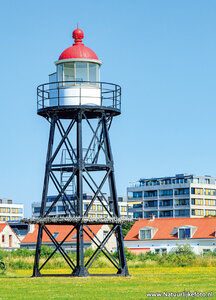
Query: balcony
point(68, 96)
point(164, 207)
point(134, 209)
point(150, 208)
point(182, 196)
point(151, 198)
point(178, 206)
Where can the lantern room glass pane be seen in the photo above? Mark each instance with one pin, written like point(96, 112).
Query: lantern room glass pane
point(81, 72)
point(93, 72)
point(60, 72)
point(69, 72)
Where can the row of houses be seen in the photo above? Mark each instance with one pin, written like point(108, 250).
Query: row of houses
point(155, 235)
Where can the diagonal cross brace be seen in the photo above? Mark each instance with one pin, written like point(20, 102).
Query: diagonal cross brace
point(99, 248)
point(62, 140)
point(107, 253)
point(63, 189)
point(57, 247)
point(94, 137)
point(97, 192)
point(63, 132)
point(90, 204)
point(63, 253)
point(99, 142)
point(59, 189)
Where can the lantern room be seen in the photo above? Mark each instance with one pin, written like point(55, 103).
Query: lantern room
point(78, 63)
point(76, 82)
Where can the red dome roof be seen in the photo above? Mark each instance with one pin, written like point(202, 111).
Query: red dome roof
point(78, 50)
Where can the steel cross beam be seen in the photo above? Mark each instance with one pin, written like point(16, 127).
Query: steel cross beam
point(64, 202)
point(61, 191)
point(104, 206)
point(103, 249)
point(63, 133)
point(58, 246)
point(97, 192)
point(99, 248)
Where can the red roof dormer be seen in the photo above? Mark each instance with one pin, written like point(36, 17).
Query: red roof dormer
point(78, 50)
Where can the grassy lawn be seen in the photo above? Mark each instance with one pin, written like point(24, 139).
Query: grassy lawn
point(19, 285)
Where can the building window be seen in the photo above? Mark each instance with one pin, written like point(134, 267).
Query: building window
point(55, 234)
point(105, 233)
point(184, 233)
point(206, 251)
point(61, 208)
point(182, 213)
point(137, 194)
point(3, 238)
point(137, 205)
point(145, 234)
point(184, 191)
point(150, 194)
point(137, 215)
point(166, 213)
point(166, 192)
point(36, 210)
point(123, 208)
point(161, 250)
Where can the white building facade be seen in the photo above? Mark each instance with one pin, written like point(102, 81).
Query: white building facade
point(8, 239)
point(10, 211)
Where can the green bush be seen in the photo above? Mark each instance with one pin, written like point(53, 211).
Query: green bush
point(22, 252)
point(46, 251)
point(88, 252)
point(4, 254)
point(20, 264)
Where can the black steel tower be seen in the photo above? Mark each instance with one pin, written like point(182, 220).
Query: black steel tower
point(80, 110)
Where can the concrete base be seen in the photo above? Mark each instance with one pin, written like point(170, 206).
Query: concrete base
point(80, 271)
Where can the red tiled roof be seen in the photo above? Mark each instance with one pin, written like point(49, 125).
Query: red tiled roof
point(63, 231)
point(205, 228)
point(2, 226)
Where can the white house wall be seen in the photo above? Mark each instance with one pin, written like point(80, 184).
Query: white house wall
point(15, 240)
point(197, 245)
point(111, 243)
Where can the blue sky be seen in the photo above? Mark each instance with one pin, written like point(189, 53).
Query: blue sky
point(162, 53)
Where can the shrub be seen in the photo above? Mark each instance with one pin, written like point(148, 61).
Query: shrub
point(184, 256)
point(128, 254)
point(46, 251)
point(4, 254)
point(22, 252)
point(19, 264)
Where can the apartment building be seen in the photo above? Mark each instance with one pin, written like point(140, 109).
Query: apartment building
point(96, 210)
point(10, 211)
point(182, 195)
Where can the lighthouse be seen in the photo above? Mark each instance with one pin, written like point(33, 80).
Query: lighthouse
point(80, 109)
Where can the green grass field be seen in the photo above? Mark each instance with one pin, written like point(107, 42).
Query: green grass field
point(19, 285)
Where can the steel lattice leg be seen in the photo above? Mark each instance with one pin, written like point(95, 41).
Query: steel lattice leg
point(36, 271)
point(123, 270)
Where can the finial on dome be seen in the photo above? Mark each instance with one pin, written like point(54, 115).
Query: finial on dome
point(78, 35)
